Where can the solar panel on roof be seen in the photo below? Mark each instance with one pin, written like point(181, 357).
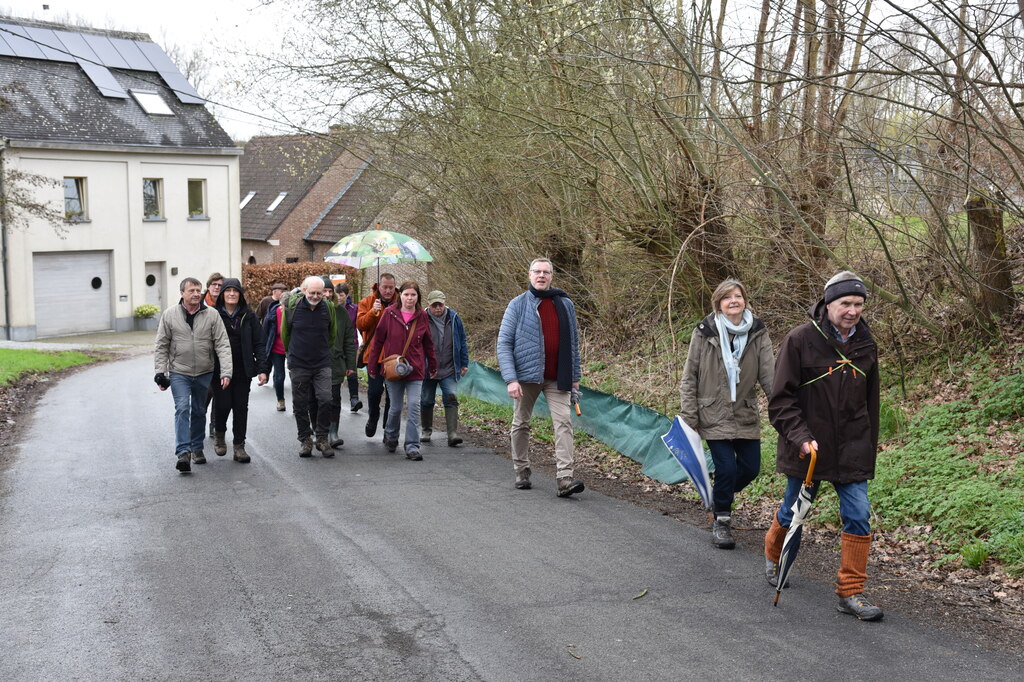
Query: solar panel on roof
point(156, 56)
point(181, 87)
point(17, 38)
point(105, 52)
point(103, 79)
point(5, 49)
point(132, 54)
point(76, 45)
point(46, 40)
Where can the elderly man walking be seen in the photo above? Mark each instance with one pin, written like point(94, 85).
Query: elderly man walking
point(538, 351)
point(308, 332)
point(187, 338)
point(826, 396)
point(449, 338)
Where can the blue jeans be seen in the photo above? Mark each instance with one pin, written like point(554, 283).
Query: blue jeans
point(429, 393)
point(854, 509)
point(277, 360)
point(189, 411)
point(411, 389)
point(737, 463)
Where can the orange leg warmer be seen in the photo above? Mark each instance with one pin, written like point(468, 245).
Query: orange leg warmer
point(853, 564)
point(774, 538)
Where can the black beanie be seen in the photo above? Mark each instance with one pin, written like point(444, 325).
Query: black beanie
point(844, 283)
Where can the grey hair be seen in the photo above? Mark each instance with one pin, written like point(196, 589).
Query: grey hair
point(309, 280)
point(189, 280)
point(543, 260)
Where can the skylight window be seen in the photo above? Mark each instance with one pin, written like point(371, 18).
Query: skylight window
point(246, 200)
point(152, 103)
point(276, 202)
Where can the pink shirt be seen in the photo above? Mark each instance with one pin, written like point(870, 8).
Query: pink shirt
point(278, 346)
point(407, 316)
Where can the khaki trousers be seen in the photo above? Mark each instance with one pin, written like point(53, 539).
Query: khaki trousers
point(558, 404)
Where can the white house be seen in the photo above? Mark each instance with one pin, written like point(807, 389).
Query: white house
point(101, 128)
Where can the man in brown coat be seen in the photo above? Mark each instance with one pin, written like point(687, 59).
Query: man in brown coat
point(826, 396)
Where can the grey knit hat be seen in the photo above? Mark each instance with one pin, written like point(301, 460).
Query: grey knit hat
point(844, 283)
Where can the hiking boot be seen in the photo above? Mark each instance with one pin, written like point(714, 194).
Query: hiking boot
point(332, 436)
point(426, 423)
point(280, 406)
point(721, 533)
point(414, 455)
point(451, 419)
point(241, 456)
point(306, 447)
point(219, 445)
point(771, 572)
point(371, 428)
point(184, 464)
point(523, 479)
point(568, 486)
point(391, 445)
point(357, 404)
point(198, 457)
point(857, 605)
point(324, 446)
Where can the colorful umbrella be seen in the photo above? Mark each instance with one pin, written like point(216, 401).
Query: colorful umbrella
point(791, 545)
point(684, 444)
point(363, 249)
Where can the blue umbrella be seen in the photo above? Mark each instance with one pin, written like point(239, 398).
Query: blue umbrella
point(684, 444)
point(791, 545)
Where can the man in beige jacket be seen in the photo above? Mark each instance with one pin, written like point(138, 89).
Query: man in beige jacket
point(187, 338)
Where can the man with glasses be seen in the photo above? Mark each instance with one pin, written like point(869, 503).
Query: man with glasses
point(308, 331)
point(538, 351)
point(369, 314)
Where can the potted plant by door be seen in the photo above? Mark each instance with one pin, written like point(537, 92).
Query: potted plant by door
point(146, 319)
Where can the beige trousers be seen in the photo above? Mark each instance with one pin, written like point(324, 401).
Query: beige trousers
point(558, 404)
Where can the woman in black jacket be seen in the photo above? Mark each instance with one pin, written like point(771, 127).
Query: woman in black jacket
point(249, 359)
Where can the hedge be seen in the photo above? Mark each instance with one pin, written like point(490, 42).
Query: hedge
point(260, 277)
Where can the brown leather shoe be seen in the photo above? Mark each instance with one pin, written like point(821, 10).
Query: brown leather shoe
point(568, 486)
point(241, 455)
point(523, 479)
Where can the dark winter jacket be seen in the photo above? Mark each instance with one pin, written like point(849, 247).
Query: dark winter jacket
point(838, 410)
point(706, 402)
point(343, 355)
point(248, 347)
point(389, 339)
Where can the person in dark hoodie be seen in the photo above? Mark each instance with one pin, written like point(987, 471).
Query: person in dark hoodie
point(248, 359)
point(403, 329)
point(730, 353)
point(826, 397)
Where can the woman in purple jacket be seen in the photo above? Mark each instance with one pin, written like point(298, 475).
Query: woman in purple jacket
point(402, 321)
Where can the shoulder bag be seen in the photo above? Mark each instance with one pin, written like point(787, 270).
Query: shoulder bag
point(396, 367)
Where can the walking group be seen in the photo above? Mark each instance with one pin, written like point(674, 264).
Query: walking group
point(822, 387)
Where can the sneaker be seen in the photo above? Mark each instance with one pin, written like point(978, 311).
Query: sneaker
point(414, 455)
point(523, 479)
point(198, 457)
point(857, 605)
point(241, 456)
point(184, 462)
point(280, 406)
point(357, 405)
point(568, 486)
point(324, 447)
point(721, 533)
point(306, 447)
point(391, 445)
point(771, 572)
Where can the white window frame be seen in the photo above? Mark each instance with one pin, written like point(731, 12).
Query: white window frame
point(276, 202)
point(203, 213)
point(159, 186)
point(81, 185)
point(246, 200)
point(151, 102)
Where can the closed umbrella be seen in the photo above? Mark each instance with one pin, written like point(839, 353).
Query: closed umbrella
point(791, 545)
point(684, 444)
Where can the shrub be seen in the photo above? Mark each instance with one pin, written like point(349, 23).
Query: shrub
point(146, 310)
point(258, 278)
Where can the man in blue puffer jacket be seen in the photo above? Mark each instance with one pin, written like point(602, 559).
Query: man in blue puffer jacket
point(538, 351)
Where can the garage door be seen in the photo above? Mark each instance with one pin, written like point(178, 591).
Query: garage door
point(73, 292)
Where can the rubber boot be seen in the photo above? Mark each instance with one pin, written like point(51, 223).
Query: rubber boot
point(451, 418)
point(853, 573)
point(773, 540)
point(333, 438)
point(426, 423)
point(219, 446)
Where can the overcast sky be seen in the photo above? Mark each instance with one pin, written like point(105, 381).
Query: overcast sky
point(219, 27)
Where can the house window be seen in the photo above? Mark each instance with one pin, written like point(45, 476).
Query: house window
point(246, 200)
point(276, 202)
point(197, 198)
point(75, 204)
point(291, 259)
point(152, 103)
point(152, 199)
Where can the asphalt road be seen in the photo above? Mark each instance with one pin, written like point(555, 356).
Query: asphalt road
point(372, 567)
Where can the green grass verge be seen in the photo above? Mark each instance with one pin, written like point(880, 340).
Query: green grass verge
point(16, 363)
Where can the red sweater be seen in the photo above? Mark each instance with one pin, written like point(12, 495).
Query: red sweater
point(389, 339)
point(549, 326)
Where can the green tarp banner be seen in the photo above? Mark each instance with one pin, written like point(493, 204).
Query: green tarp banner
point(633, 430)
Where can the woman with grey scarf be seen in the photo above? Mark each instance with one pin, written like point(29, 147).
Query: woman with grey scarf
point(730, 353)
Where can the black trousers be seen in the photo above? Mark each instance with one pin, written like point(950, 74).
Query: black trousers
point(233, 400)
